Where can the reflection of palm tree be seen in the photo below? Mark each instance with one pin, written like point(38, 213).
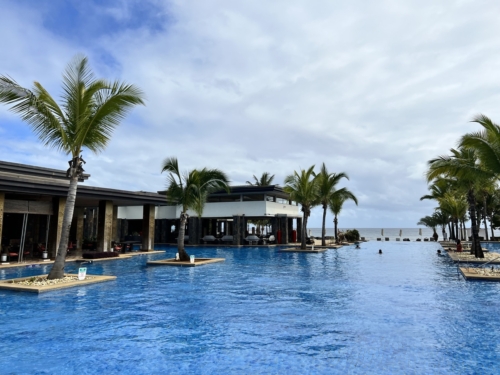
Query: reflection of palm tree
point(336, 201)
point(190, 191)
point(91, 109)
point(326, 188)
point(303, 190)
point(265, 180)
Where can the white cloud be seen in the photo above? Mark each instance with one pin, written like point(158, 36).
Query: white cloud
point(371, 89)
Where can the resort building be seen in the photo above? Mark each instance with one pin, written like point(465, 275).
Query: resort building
point(32, 202)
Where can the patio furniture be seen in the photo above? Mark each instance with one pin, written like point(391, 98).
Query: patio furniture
point(252, 238)
point(209, 238)
point(227, 238)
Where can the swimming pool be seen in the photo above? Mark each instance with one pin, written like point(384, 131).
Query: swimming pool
point(260, 312)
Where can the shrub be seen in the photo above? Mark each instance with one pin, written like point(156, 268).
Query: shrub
point(351, 235)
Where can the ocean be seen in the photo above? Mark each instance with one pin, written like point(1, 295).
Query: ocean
point(391, 233)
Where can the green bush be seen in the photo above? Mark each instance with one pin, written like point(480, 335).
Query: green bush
point(351, 235)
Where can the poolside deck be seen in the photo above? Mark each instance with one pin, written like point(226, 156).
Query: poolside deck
point(14, 285)
point(466, 257)
point(480, 273)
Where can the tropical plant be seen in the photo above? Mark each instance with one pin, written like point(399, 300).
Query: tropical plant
point(442, 219)
point(190, 190)
point(303, 189)
point(265, 180)
point(327, 183)
point(351, 235)
point(336, 202)
point(464, 166)
point(90, 111)
point(430, 222)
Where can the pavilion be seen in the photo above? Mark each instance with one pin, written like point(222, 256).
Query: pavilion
point(32, 201)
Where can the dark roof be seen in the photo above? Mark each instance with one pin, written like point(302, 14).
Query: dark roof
point(27, 179)
point(31, 170)
point(273, 190)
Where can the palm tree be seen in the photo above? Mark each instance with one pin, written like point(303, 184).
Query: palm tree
point(190, 191)
point(442, 219)
point(463, 165)
point(326, 188)
point(90, 111)
point(265, 180)
point(303, 190)
point(336, 201)
point(430, 222)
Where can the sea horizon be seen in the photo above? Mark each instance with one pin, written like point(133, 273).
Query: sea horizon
point(391, 233)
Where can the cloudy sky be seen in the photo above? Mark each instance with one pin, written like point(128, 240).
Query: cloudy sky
point(373, 89)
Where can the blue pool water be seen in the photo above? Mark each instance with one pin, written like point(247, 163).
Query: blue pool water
point(345, 311)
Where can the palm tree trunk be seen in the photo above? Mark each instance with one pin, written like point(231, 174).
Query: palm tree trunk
point(57, 271)
point(452, 231)
point(183, 255)
point(476, 245)
point(456, 229)
point(304, 232)
point(335, 223)
point(485, 223)
point(323, 229)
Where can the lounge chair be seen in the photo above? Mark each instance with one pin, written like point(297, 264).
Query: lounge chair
point(209, 238)
point(227, 238)
point(252, 238)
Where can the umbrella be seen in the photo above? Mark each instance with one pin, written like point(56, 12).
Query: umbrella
point(382, 232)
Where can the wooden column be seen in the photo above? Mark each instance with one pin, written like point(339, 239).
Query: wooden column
point(299, 229)
point(148, 227)
point(290, 229)
point(56, 221)
point(115, 235)
point(194, 230)
point(79, 212)
point(237, 230)
point(105, 220)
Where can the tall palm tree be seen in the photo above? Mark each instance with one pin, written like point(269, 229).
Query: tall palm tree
point(303, 189)
point(326, 188)
point(265, 180)
point(90, 111)
point(336, 202)
point(463, 165)
point(190, 190)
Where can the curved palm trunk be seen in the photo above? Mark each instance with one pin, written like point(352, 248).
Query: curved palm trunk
point(335, 223)
point(323, 229)
point(476, 245)
point(57, 271)
point(183, 255)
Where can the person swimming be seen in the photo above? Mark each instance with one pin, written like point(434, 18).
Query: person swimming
point(380, 251)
